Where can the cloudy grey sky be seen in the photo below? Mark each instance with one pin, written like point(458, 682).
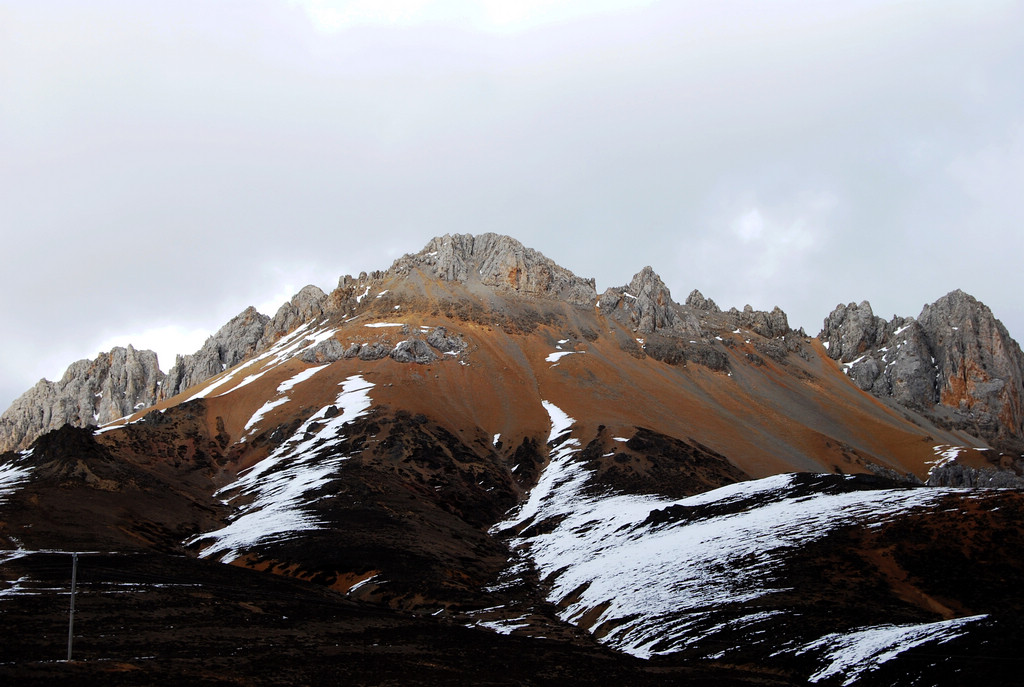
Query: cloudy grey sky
point(165, 164)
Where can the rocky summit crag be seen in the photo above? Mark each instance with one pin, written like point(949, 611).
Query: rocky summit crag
point(955, 362)
point(471, 468)
point(91, 392)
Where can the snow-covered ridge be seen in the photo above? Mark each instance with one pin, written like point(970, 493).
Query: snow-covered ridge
point(274, 494)
point(702, 559)
point(248, 372)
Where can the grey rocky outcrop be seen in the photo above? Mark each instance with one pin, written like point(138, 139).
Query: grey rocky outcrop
point(955, 361)
point(240, 338)
point(374, 351)
point(327, 351)
point(954, 474)
point(413, 351)
point(500, 262)
point(91, 392)
point(696, 300)
point(851, 330)
point(646, 306)
point(305, 306)
point(767, 324)
point(440, 339)
point(980, 368)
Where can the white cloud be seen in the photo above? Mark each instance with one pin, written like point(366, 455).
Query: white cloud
point(749, 226)
point(993, 178)
point(190, 158)
point(337, 15)
point(763, 253)
point(498, 16)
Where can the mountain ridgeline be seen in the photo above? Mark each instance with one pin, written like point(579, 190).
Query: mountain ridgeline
point(955, 364)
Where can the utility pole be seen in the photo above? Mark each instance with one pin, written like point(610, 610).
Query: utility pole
point(71, 614)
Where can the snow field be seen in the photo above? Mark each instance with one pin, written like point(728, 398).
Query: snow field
point(854, 653)
point(281, 398)
point(12, 476)
point(692, 566)
point(274, 493)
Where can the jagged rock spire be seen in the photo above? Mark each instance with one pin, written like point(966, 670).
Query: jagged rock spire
point(696, 300)
point(93, 392)
point(646, 305)
point(232, 343)
point(956, 359)
point(501, 262)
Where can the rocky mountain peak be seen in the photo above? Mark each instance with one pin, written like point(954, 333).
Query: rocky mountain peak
point(91, 392)
point(697, 300)
point(852, 329)
point(307, 304)
point(651, 301)
point(242, 336)
point(955, 361)
point(646, 305)
point(500, 262)
point(768, 324)
point(980, 367)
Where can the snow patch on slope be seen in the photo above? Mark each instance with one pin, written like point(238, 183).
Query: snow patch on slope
point(281, 398)
point(12, 476)
point(248, 372)
point(274, 493)
point(703, 559)
point(558, 355)
point(944, 454)
point(851, 654)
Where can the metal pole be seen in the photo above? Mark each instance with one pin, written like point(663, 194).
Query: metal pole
point(71, 614)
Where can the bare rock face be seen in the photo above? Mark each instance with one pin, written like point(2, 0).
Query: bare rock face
point(235, 341)
point(956, 362)
point(851, 330)
point(308, 304)
point(500, 262)
point(980, 369)
point(440, 339)
point(327, 351)
point(646, 305)
point(696, 300)
point(374, 351)
point(91, 392)
point(651, 302)
point(413, 351)
point(954, 474)
point(768, 324)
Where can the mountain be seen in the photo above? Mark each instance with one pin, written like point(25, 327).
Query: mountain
point(956, 363)
point(475, 449)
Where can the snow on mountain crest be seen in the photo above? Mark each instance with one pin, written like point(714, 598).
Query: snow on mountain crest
point(979, 395)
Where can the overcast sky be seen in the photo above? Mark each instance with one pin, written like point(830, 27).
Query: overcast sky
point(165, 164)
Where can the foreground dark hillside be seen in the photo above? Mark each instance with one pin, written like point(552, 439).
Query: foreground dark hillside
point(155, 619)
